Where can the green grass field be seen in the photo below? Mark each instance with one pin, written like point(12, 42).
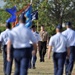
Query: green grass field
point(42, 68)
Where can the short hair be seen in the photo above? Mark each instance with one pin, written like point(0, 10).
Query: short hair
point(22, 18)
point(33, 26)
point(59, 26)
point(42, 25)
point(69, 24)
point(8, 25)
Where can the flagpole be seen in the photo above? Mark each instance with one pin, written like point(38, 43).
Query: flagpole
point(31, 1)
point(37, 26)
point(37, 22)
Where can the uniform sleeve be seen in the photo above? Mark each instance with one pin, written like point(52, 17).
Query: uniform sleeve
point(0, 37)
point(10, 36)
point(51, 42)
point(64, 33)
point(68, 44)
point(32, 37)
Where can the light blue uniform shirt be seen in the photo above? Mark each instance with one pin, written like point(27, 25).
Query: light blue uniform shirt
point(21, 36)
point(37, 37)
point(59, 43)
point(70, 34)
point(4, 36)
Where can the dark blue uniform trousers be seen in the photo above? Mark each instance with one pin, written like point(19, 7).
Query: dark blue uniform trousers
point(59, 61)
point(33, 59)
point(7, 65)
point(70, 62)
point(30, 56)
point(21, 57)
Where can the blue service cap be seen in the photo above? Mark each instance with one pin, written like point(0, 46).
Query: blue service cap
point(8, 24)
point(59, 26)
point(69, 23)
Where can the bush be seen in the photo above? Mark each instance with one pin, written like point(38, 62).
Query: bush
point(2, 28)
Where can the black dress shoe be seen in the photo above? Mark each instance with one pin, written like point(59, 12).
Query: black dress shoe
point(68, 73)
point(43, 60)
point(40, 60)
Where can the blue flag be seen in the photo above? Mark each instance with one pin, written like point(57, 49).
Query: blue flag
point(34, 15)
point(28, 12)
point(12, 11)
point(28, 25)
point(11, 19)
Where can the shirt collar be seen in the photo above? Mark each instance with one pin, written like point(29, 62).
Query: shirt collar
point(58, 33)
point(68, 28)
point(33, 31)
point(22, 24)
point(7, 29)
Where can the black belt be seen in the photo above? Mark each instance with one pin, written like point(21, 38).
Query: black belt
point(4, 45)
point(21, 48)
point(59, 52)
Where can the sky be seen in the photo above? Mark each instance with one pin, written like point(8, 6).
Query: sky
point(2, 3)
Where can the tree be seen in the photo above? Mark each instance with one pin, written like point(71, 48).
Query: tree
point(51, 12)
point(61, 10)
point(10, 3)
